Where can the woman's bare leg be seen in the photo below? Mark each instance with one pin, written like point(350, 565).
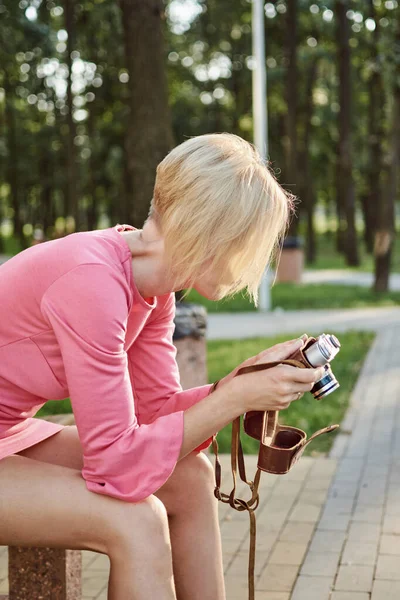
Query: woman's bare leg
point(192, 510)
point(194, 529)
point(44, 505)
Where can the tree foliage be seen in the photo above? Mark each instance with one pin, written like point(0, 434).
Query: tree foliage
point(72, 92)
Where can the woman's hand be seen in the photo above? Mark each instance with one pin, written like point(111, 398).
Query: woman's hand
point(273, 354)
point(275, 388)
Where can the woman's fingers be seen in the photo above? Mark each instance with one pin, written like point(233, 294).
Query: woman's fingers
point(301, 375)
point(279, 351)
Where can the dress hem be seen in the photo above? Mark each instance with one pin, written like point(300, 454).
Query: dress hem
point(45, 430)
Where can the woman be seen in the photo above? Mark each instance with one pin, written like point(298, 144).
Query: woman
point(90, 316)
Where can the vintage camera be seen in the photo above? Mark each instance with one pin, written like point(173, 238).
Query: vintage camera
point(282, 445)
point(319, 352)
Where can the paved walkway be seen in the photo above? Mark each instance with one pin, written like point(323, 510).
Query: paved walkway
point(347, 277)
point(257, 324)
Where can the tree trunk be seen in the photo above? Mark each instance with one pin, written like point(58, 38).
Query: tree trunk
point(385, 231)
point(291, 102)
point(46, 180)
point(149, 129)
point(72, 192)
point(305, 177)
point(345, 184)
point(376, 135)
point(13, 160)
point(92, 187)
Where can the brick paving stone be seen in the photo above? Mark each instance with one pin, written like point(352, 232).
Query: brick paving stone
point(338, 506)
point(101, 562)
point(350, 596)
point(236, 587)
point(359, 554)
point(327, 541)
point(93, 583)
point(312, 588)
point(305, 512)
point(334, 523)
point(364, 532)
point(318, 483)
point(392, 508)
point(391, 524)
point(387, 567)
point(297, 532)
point(288, 553)
point(239, 565)
point(390, 544)
point(317, 497)
point(368, 513)
point(271, 596)
point(321, 564)
point(277, 578)
point(386, 590)
point(346, 489)
point(4, 586)
point(88, 557)
point(354, 578)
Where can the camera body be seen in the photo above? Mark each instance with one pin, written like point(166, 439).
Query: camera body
point(319, 352)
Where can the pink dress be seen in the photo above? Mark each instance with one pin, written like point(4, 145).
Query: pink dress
point(73, 323)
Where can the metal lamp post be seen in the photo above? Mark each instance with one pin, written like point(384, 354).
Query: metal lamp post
point(260, 116)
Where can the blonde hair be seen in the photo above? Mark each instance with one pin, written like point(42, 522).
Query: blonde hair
point(216, 201)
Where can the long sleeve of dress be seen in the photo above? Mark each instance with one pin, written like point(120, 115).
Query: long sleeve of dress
point(87, 308)
point(154, 370)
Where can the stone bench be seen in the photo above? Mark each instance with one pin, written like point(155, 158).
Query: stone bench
point(56, 573)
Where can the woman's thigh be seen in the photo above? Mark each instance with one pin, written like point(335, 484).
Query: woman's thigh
point(191, 479)
point(43, 504)
point(63, 448)
point(48, 505)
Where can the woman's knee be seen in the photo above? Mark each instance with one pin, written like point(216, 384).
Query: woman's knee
point(191, 482)
point(197, 471)
point(203, 467)
point(142, 525)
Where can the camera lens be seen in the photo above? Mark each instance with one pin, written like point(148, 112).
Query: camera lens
point(334, 341)
point(326, 385)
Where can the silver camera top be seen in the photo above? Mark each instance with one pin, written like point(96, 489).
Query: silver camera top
point(323, 350)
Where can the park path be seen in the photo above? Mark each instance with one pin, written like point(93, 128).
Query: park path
point(257, 324)
point(347, 277)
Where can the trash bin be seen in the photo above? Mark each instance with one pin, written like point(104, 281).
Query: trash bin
point(291, 262)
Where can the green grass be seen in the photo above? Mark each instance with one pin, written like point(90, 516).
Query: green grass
point(55, 407)
point(11, 245)
point(290, 296)
point(307, 413)
point(329, 258)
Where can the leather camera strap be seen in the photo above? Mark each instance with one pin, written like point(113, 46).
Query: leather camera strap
point(237, 503)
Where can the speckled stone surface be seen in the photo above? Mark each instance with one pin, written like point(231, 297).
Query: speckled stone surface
point(191, 359)
point(44, 574)
point(189, 340)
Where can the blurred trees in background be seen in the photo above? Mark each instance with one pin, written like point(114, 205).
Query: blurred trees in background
point(93, 94)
